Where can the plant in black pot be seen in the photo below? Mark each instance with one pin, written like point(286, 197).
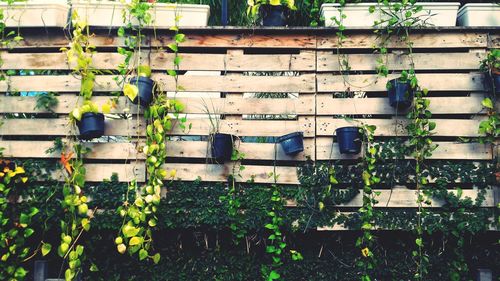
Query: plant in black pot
point(89, 120)
point(292, 143)
point(491, 65)
point(349, 139)
point(270, 12)
point(401, 91)
point(221, 145)
point(140, 88)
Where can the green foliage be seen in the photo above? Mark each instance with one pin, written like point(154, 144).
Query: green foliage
point(16, 222)
point(46, 101)
point(254, 6)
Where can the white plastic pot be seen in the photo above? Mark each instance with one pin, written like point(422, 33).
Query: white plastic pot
point(358, 15)
point(479, 14)
point(109, 14)
point(50, 13)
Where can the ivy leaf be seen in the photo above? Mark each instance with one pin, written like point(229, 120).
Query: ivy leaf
point(135, 241)
point(156, 258)
point(46, 248)
point(130, 91)
point(487, 103)
point(24, 220)
point(143, 254)
point(273, 275)
point(173, 47)
point(418, 241)
point(432, 126)
point(28, 232)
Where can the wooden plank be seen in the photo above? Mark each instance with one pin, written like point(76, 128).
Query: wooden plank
point(439, 105)
point(402, 197)
point(304, 105)
point(190, 61)
point(275, 41)
point(397, 127)
point(425, 39)
point(328, 149)
point(98, 172)
point(56, 39)
point(254, 128)
point(214, 172)
point(37, 149)
point(66, 103)
point(252, 151)
point(105, 83)
point(61, 127)
point(328, 61)
point(433, 82)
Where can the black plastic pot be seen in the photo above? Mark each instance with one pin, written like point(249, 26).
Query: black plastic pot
point(349, 140)
point(400, 94)
point(222, 147)
point(91, 125)
point(145, 86)
point(292, 143)
point(273, 15)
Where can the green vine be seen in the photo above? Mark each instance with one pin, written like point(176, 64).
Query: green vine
point(367, 212)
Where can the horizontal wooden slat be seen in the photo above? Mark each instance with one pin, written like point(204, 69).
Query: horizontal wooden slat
point(433, 82)
point(330, 61)
point(401, 197)
point(61, 127)
point(304, 105)
point(305, 61)
point(37, 149)
point(214, 172)
point(397, 127)
point(425, 39)
point(98, 172)
point(178, 149)
point(439, 105)
point(328, 149)
point(105, 83)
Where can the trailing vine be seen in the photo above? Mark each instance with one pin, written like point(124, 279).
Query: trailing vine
point(139, 217)
point(367, 212)
point(77, 215)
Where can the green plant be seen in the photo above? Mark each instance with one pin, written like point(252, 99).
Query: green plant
point(46, 101)
point(139, 217)
point(367, 212)
point(491, 62)
point(15, 222)
point(254, 5)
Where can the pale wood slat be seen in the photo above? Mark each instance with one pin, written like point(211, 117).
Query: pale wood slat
point(304, 105)
point(59, 127)
point(425, 39)
point(98, 172)
point(215, 172)
point(327, 149)
point(57, 61)
point(402, 197)
point(37, 149)
point(462, 82)
point(105, 83)
point(397, 127)
point(128, 151)
point(326, 105)
point(328, 61)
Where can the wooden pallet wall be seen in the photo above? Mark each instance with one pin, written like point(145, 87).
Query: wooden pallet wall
point(225, 69)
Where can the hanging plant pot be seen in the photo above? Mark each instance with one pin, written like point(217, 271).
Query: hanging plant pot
point(222, 147)
point(400, 94)
point(145, 94)
point(91, 125)
point(273, 15)
point(349, 140)
point(292, 143)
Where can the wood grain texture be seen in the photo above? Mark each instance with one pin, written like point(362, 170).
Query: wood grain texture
point(460, 82)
